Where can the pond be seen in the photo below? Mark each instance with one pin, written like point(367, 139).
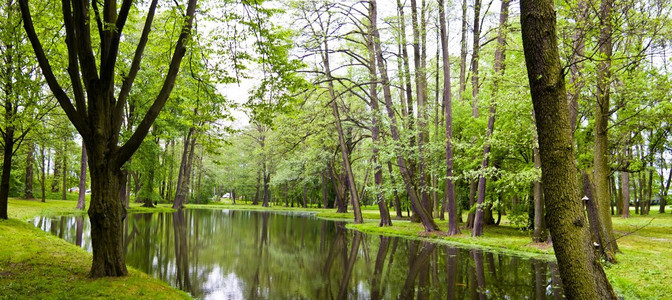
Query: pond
point(231, 254)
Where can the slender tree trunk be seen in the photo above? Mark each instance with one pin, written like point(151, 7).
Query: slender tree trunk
point(449, 201)
point(575, 82)
point(463, 53)
point(81, 201)
point(475, 57)
point(580, 270)
point(43, 184)
point(341, 138)
point(385, 219)
point(499, 73)
point(64, 174)
point(323, 181)
point(601, 150)
point(664, 187)
point(30, 158)
point(540, 233)
point(426, 219)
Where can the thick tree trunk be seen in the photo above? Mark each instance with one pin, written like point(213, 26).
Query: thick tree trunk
point(601, 150)
point(30, 157)
point(106, 212)
point(81, 201)
point(581, 271)
point(449, 201)
point(499, 73)
point(406, 173)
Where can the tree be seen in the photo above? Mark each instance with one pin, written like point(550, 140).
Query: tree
point(449, 202)
point(581, 272)
point(97, 114)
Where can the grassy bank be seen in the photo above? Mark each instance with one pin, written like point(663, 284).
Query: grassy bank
point(35, 264)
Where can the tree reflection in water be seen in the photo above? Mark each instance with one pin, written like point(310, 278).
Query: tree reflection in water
point(262, 255)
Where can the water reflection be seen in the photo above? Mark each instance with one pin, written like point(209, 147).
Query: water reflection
point(222, 254)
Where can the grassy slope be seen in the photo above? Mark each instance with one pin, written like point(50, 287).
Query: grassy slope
point(35, 264)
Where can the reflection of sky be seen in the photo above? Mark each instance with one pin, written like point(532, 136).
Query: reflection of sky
point(218, 286)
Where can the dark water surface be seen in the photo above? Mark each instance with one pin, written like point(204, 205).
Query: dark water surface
point(228, 254)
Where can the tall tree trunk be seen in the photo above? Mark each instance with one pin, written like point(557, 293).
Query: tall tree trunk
point(601, 150)
point(419, 53)
point(406, 173)
point(580, 270)
point(449, 201)
point(57, 173)
point(30, 158)
point(385, 219)
point(475, 57)
point(463, 53)
point(499, 66)
point(81, 201)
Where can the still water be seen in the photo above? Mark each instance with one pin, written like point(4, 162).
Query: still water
point(229, 254)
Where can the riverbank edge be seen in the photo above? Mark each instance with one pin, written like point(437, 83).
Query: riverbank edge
point(38, 265)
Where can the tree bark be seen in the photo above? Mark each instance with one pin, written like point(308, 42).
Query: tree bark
point(449, 202)
point(65, 173)
point(81, 200)
point(397, 202)
point(499, 73)
point(580, 270)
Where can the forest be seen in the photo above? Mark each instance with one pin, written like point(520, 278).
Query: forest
point(474, 138)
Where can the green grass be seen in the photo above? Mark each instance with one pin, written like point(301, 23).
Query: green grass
point(37, 265)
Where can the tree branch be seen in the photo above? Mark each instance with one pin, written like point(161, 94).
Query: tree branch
point(127, 150)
